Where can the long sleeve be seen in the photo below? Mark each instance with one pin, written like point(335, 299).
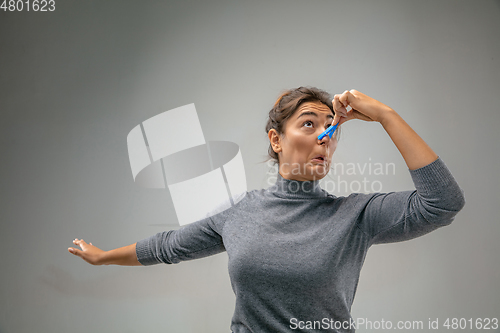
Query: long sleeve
point(286, 243)
point(193, 241)
point(399, 216)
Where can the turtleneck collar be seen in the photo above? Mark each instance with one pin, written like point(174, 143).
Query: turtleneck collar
point(297, 189)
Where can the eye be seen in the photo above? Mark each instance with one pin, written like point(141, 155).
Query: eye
point(307, 122)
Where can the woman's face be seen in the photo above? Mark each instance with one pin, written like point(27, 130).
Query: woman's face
point(299, 148)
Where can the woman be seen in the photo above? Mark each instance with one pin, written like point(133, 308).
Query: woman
point(295, 251)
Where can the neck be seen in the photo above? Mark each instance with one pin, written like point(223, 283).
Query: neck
point(297, 188)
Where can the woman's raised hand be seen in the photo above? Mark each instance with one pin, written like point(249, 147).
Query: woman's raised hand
point(362, 106)
point(90, 253)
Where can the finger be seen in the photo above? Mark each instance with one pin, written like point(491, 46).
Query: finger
point(344, 119)
point(336, 102)
point(74, 251)
point(336, 119)
point(344, 98)
point(338, 107)
point(80, 242)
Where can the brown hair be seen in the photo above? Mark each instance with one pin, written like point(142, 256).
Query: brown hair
point(286, 105)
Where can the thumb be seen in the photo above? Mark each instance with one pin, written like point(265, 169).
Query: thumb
point(336, 119)
point(74, 251)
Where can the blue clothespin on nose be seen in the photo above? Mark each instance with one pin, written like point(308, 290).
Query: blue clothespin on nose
point(329, 131)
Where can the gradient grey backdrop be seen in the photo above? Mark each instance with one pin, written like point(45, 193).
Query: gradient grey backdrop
point(74, 82)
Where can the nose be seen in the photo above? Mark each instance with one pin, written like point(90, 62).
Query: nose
point(326, 139)
point(328, 132)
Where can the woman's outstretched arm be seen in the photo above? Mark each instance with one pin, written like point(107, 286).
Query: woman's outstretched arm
point(124, 256)
point(412, 147)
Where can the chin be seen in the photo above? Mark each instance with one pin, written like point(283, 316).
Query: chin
point(317, 174)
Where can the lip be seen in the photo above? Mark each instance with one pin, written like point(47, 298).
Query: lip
point(319, 159)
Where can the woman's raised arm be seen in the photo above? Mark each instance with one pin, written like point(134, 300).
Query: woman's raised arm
point(412, 147)
point(124, 256)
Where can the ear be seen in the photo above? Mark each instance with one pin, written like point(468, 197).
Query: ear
point(275, 140)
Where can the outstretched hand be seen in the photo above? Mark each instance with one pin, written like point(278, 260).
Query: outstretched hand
point(361, 106)
point(88, 252)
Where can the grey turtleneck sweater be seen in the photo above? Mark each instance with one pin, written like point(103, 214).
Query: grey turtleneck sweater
point(296, 251)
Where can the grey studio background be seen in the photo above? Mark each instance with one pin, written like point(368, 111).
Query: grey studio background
point(75, 81)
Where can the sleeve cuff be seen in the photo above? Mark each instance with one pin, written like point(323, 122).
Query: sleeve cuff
point(144, 253)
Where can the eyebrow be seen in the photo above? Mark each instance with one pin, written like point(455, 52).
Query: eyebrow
point(310, 113)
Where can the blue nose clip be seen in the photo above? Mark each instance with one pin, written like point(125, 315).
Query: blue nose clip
point(329, 131)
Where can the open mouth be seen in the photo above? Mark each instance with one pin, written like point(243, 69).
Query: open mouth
point(319, 158)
